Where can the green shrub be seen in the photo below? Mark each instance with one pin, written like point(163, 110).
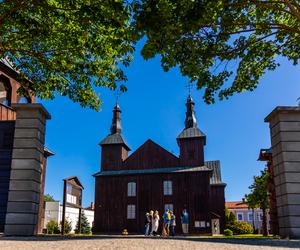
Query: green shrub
point(68, 226)
point(240, 227)
point(228, 232)
point(52, 227)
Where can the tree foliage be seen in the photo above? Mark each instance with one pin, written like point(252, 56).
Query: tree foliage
point(85, 225)
point(204, 37)
point(70, 47)
point(48, 197)
point(67, 226)
point(66, 46)
point(258, 196)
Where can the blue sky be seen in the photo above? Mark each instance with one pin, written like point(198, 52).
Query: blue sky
point(154, 107)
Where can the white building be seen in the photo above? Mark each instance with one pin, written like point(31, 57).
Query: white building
point(244, 213)
point(53, 211)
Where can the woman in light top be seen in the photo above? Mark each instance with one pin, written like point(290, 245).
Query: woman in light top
point(155, 223)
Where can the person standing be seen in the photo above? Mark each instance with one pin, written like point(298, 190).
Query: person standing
point(155, 223)
point(185, 221)
point(172, 224)
point(151, 222)
point(147, 224)
point(166, 225)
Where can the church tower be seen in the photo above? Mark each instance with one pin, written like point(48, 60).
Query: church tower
point(114, 148)
point(191, 140)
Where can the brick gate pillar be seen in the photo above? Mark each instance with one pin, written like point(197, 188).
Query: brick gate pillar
point(26, 169)
point(284, 125)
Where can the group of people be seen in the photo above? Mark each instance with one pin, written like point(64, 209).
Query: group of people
point(169, 223)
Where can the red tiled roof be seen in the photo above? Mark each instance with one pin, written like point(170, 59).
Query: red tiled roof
point(235, 205)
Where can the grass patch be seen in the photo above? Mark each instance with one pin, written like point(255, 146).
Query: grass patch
point(246, 236)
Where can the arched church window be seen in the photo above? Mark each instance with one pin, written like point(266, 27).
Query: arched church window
point(4, 92)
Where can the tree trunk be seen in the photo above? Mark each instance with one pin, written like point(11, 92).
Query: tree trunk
point(253, 218)
point(264, 222)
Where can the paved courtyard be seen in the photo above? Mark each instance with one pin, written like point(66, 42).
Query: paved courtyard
point(108, 242)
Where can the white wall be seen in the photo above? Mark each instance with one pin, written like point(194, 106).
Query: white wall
point(53, 211)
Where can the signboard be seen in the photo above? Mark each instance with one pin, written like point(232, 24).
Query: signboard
point(73, 194)
point(72, 198)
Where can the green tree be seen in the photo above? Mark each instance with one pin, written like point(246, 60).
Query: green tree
point(65, 46)
point(223, 46)
point(68, 226)
point(71, 47)
point(48, 197)
point(229, 218)
point(258, 196)
point(85, 225)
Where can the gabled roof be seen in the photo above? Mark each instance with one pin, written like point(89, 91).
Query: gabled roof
point(116, 138)
point(151, 155)
point(191, 133)
point(74, 180)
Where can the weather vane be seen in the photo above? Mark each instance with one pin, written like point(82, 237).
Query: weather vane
point(190, 86)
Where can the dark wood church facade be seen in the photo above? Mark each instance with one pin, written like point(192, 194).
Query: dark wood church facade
point(152, 178)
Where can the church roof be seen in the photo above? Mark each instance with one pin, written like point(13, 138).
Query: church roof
point(190, 133)
point(213, 166)
point(116, 138)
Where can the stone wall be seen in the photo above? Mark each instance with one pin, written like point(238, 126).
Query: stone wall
point(26, 170)
point(285, 138)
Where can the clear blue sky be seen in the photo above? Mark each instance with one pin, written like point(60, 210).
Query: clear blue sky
point(154, 107)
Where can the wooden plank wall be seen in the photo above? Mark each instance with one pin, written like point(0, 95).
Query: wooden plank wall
point(190, 190)
point(7, 113)
point(6, 145)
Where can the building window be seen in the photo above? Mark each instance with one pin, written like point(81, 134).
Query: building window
point(239, 217)
point(131, 189)
point(168, 188)
point(250, 216)
point(260, 216)
point(169, 206)
point(130, 211)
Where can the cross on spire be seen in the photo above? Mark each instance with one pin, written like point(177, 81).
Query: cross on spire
point(190, 86)
point(117, 95)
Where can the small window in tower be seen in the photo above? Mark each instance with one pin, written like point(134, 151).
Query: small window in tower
point(168, 190)
point(191, 154)
point(131, 189)
point(130, 211)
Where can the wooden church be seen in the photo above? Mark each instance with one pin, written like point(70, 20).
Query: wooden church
point(152, 178)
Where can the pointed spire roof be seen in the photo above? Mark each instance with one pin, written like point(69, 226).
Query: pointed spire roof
point(191, 130)
point(115, 136)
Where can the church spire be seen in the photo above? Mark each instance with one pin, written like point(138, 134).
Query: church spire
point(116, 127)
point(190, 119)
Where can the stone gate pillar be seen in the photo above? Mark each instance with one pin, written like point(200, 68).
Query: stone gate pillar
point(26, 169)
point(284, 124)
